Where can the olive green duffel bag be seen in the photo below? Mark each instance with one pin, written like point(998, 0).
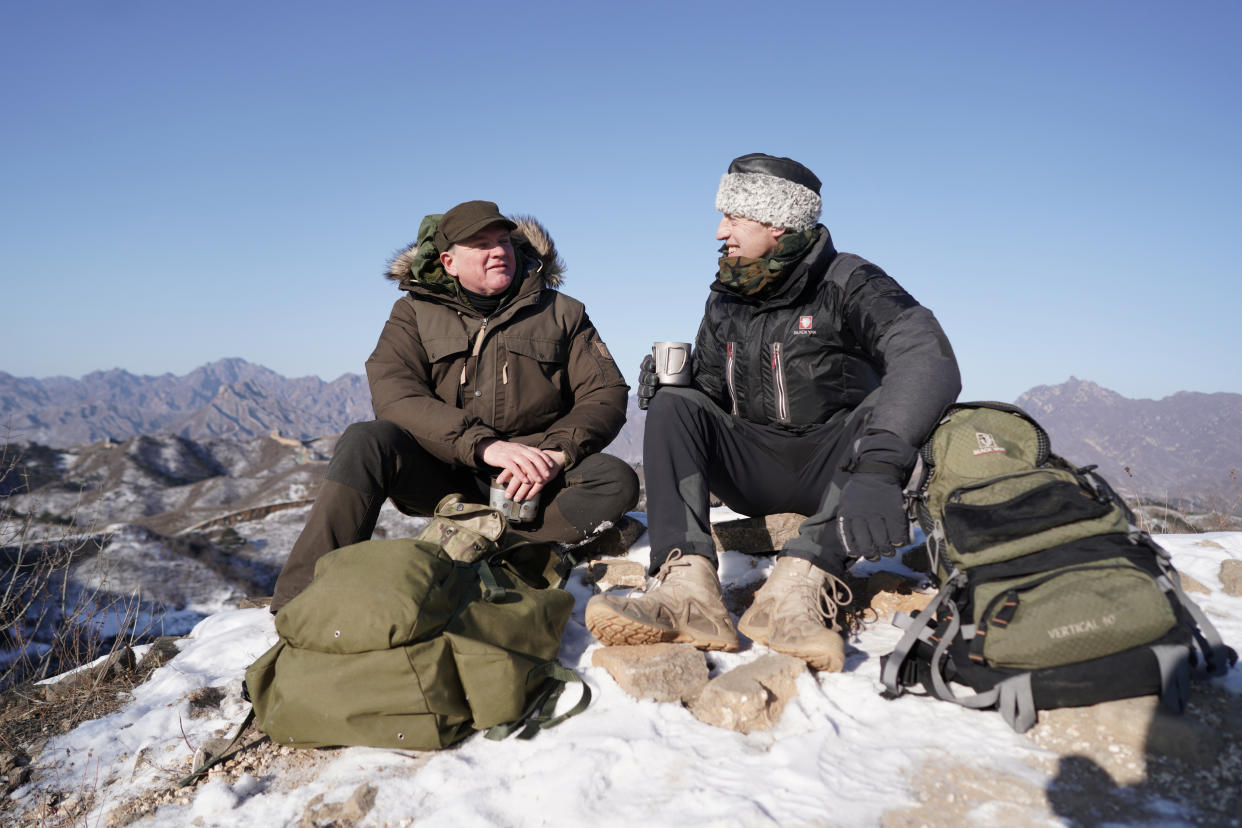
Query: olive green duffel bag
point(416, 644)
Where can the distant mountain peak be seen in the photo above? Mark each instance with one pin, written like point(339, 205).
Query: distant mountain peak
point(1073, 391)
point(229, 398)
point(1181, 446)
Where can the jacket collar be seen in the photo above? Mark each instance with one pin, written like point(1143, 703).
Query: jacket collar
point(814, 264)
point(528, 291)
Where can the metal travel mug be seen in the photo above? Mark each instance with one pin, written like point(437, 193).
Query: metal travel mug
point(672, 362)
point(515, 511)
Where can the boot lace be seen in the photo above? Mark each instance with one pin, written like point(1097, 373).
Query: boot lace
point(676, 558)
point(832, 600)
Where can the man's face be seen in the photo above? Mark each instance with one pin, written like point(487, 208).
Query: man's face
point(747, 237)
point(484, 263)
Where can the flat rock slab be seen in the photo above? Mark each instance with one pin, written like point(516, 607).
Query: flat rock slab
point(615, 573)
point(612, 542)
point(1123, 762)
point(347, 813)
point(1119, 735)
point(662, 672)
point(887, 604)
point(752, 696)
point(888, 593)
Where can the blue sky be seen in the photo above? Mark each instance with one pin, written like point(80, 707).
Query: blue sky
point(1059, 181)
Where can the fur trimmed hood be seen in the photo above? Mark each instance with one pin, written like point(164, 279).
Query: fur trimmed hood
point(419, 262)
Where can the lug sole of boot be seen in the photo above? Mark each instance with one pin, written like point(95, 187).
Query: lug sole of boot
point(612, 628)
point(813, 656)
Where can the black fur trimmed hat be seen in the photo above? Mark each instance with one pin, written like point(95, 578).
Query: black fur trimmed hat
point(771, 190)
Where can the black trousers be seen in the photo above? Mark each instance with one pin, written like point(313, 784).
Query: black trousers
point(692, 447)
point(377, 460)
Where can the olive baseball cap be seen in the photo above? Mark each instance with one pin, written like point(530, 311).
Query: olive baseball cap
point(466, 219)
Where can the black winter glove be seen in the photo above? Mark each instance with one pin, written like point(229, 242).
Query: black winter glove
point(872, 517)
point(648, 382)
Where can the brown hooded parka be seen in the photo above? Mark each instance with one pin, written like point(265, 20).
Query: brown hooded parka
point(534, 372)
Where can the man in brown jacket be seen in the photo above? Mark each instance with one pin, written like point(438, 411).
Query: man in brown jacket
point(482, 369)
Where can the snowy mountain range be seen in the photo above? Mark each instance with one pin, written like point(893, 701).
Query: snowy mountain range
point(227, 398)
point(1184, 449)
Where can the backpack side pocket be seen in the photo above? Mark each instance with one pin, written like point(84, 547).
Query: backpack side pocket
point(1068, 615)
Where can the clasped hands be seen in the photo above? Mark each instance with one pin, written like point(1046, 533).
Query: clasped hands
point(524, 470)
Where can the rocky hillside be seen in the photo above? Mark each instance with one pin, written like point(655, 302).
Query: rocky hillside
point(1186, 447)
point(166, 481)
point(228, 398)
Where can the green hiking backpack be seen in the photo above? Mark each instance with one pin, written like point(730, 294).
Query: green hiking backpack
point(1050, 594)
point(416, 644)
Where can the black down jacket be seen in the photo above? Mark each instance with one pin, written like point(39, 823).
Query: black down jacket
point(837, 329)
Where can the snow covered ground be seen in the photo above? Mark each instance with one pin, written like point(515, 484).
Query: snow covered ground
point(840, 755)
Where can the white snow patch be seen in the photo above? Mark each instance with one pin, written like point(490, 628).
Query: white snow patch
point(841, 754)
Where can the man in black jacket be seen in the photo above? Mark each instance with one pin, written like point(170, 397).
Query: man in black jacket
point(816, 377)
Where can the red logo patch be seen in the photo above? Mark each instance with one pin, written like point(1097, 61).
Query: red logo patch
point(804, 322)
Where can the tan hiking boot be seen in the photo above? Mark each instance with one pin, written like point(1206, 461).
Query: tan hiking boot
point(790, 610)
point(682, 607)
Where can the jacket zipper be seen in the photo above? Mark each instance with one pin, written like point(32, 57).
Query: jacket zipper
point(729, 376)
point(474, 353)
point(960, 492)
point(778, 382)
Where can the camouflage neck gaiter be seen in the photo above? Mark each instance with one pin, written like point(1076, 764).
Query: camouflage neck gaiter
point(755, 277)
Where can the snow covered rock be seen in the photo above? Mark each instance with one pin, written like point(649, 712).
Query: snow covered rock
point(661, 672)
point(1231, 577)
point(752, 696)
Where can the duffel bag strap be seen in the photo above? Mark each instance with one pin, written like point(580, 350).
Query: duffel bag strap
point(230, 750)
point(493, 592)
point(538, 713)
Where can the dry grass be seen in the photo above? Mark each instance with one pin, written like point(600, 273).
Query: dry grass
point(1181, 514)
point(52, 622)
point(31, 714)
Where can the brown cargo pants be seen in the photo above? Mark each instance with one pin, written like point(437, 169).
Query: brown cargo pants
point(377, 460)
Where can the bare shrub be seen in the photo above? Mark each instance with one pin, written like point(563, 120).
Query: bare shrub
point(51, 621)
point(1187, 514)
